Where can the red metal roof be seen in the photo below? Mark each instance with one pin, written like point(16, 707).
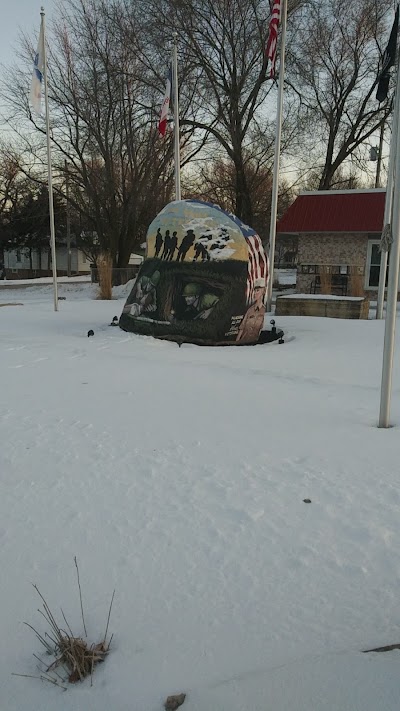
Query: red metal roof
point(335, 211)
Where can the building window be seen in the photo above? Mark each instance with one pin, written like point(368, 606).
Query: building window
point(308, 268)
point(18, 255)
point(373, 265)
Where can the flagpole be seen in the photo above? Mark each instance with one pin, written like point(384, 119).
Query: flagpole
point(49, 171)
point(379, 156)
point(177, 156)
point(387, 218)
point(393, 278)
point(388, 61)
point(275, 181)
point(384, 257)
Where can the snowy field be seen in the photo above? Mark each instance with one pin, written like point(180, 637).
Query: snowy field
point(177, 477)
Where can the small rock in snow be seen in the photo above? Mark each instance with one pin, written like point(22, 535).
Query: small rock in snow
point(307, 501)
point(173, 702)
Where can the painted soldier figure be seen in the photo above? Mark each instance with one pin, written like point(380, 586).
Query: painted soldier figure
point(167, 243)
point(201, 251)
point(172, 246)
point(186, 244)
point(253, 320)
point(159, 242)
point(198, 305)
point(145, 297)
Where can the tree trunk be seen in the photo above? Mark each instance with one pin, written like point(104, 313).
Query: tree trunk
point(124, 252)
point(244, 208)
point(105, 269)
point(326, 178)
point(123, 260)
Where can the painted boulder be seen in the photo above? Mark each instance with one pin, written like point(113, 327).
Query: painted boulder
point(203, 280)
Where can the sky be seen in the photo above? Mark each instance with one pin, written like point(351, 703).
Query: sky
point(24, 16)
point(20, 15)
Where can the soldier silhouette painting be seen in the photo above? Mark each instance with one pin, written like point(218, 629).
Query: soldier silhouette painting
point(159, 242)
point(201, 252)
point(186, 244)
point(167, 245)
point(172, 246)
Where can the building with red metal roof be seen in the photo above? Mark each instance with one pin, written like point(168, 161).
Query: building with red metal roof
point(335, 211)
point(338, 234)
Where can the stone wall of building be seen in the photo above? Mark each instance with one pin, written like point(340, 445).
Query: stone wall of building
point(346, 250)
point(333, 249)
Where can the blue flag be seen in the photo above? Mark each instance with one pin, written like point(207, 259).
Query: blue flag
point(37, 76)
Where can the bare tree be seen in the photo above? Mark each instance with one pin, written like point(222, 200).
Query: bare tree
point(216, 183)
point(102, 125)
point(333, 67)
point(223, 45)
point(9, 178)
point(12, 186)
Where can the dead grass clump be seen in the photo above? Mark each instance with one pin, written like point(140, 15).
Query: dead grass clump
point(104, 264)
point(74, 658)
point(325, 280)
point(78, 657)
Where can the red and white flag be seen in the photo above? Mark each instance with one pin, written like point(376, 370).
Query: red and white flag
point(273, 36)
point(162, 125)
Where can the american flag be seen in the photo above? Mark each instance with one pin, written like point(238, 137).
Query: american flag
point(273, 36)
point(162, 124)
point(257, 264)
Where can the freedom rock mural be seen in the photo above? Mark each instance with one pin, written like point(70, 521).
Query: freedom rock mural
point(203, 280)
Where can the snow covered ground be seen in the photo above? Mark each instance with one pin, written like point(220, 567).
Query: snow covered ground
point(177, 476)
